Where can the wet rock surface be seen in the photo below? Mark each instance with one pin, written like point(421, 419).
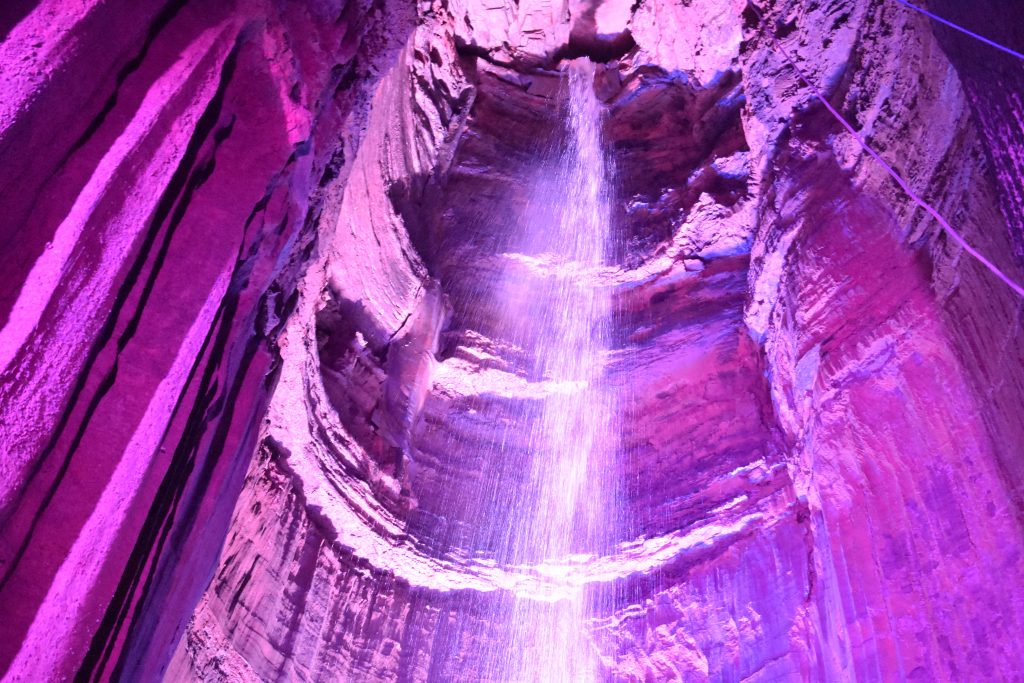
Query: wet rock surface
point(253, 350)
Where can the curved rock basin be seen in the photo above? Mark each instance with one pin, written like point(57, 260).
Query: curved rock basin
point(509, 341)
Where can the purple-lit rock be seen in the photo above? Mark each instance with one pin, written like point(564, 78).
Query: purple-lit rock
point(261, 401)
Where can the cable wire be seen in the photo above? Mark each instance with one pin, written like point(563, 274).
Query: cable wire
point(889, 169)
point(963, 30)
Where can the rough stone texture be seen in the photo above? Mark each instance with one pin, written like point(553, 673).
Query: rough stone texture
point(252, 347)
point(160, 186)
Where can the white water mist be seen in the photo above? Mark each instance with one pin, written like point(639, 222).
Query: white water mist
point(567, 506)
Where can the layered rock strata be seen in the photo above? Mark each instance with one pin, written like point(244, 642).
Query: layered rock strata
point(163, 163)
point(254, 361)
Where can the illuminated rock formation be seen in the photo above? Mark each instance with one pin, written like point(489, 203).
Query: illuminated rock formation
point(254, 370)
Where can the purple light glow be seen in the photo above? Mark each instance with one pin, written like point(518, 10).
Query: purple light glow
point(504, 341)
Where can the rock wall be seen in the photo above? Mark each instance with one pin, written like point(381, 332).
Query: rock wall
point(162, 177)
point(254, 374)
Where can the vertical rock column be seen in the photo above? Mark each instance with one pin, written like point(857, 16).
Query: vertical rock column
point(160, 166)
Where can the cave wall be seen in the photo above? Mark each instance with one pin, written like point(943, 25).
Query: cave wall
point(252, 367)
point(162, 173)
point(889, 355)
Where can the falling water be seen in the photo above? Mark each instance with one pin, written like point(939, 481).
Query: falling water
point(566, 508)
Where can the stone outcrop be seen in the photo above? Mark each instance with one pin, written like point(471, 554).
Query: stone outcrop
point(254, 369)
point(163, 166)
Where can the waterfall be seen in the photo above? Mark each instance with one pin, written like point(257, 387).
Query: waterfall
point(566, 506)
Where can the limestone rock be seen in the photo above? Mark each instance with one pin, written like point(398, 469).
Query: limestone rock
point(254, 357)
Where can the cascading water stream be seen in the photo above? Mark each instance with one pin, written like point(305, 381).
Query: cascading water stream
point(566, 500)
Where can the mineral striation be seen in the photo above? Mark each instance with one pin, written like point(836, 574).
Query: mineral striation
point(254, 261)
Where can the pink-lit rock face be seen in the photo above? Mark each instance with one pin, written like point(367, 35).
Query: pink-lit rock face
point(160, 187)
point(253, 358)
